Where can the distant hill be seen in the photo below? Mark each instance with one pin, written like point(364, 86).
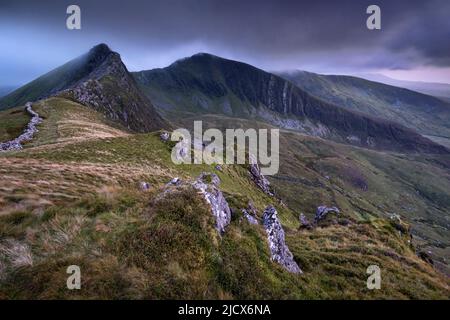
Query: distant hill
point(4, 90)
point(205, 83)
point(426, 114)
point(440, 90)
point(98, 79)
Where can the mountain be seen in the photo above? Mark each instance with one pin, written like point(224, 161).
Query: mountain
point(89, 194)
point(4, 90)
point(86, 191)
point(100, 80)
point(205, 83)
point(440, 90)
point(423, 113)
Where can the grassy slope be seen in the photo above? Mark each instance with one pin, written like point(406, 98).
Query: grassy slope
point(423, 113)
point(46, 84)
point(12, 123)
point(78, 202)
point(366, 184)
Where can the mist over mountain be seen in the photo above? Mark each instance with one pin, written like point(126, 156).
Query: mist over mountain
point(440, 90)
point(4, 90)
point(98, 79)
point(423, 113)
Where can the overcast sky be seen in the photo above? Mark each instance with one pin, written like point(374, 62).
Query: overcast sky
point(320, 36)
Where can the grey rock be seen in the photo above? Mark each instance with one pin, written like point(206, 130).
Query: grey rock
point(259, 178)
point(145, 186)
point(249, 217)
point(219, 205)
point(165, 136)
point(175, 182)
point(250, 213)
point(304, 222)
point(209, 178)
point(279, 251)
point(323, 211)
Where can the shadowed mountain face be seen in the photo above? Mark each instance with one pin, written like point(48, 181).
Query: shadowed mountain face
point(426, 114)
point(208, 84)
point(4, 90)
point(99, 80)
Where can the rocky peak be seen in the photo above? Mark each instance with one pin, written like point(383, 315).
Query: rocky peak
point(97, 79)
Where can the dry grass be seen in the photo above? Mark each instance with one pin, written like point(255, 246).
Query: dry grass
point(72, 197)
point(15, 253)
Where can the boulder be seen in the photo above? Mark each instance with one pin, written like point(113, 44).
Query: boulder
point(279, 251)
point(304, 222)
point(145, 186)
point(250, 213)
point(215, 198)
point(209, 178)
point(165, 136)
point(259, 178)
point(175, 182)
point(323, 211)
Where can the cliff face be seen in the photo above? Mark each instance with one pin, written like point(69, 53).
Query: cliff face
point(205, 83)
point(97, 79)
point(110, 89)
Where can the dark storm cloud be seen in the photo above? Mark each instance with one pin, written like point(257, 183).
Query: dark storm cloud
point(322, 35)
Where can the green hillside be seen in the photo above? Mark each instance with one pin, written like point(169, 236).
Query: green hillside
point(73, 196)
point(207, 84)
point(99, 80)
point(426, 114)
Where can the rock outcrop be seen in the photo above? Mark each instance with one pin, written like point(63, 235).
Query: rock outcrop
point(165, 136)
point(28, 133)
point(304, 222)
point(250, 213)
point(279, 251)
point(145, 186)
point(174, 182)
point(97, 79)
point(323, 211)
point(207, 185)
point(259, 178)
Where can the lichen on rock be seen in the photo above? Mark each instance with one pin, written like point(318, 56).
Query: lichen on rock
point(278, 249)
point(259, 179)
point(215, 198)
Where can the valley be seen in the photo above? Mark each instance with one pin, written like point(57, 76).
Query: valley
point(132, 243)
point(96, 187)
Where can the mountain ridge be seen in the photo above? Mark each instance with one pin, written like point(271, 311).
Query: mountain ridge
point(207, 83)
point(423, 113)
point(100, 80)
